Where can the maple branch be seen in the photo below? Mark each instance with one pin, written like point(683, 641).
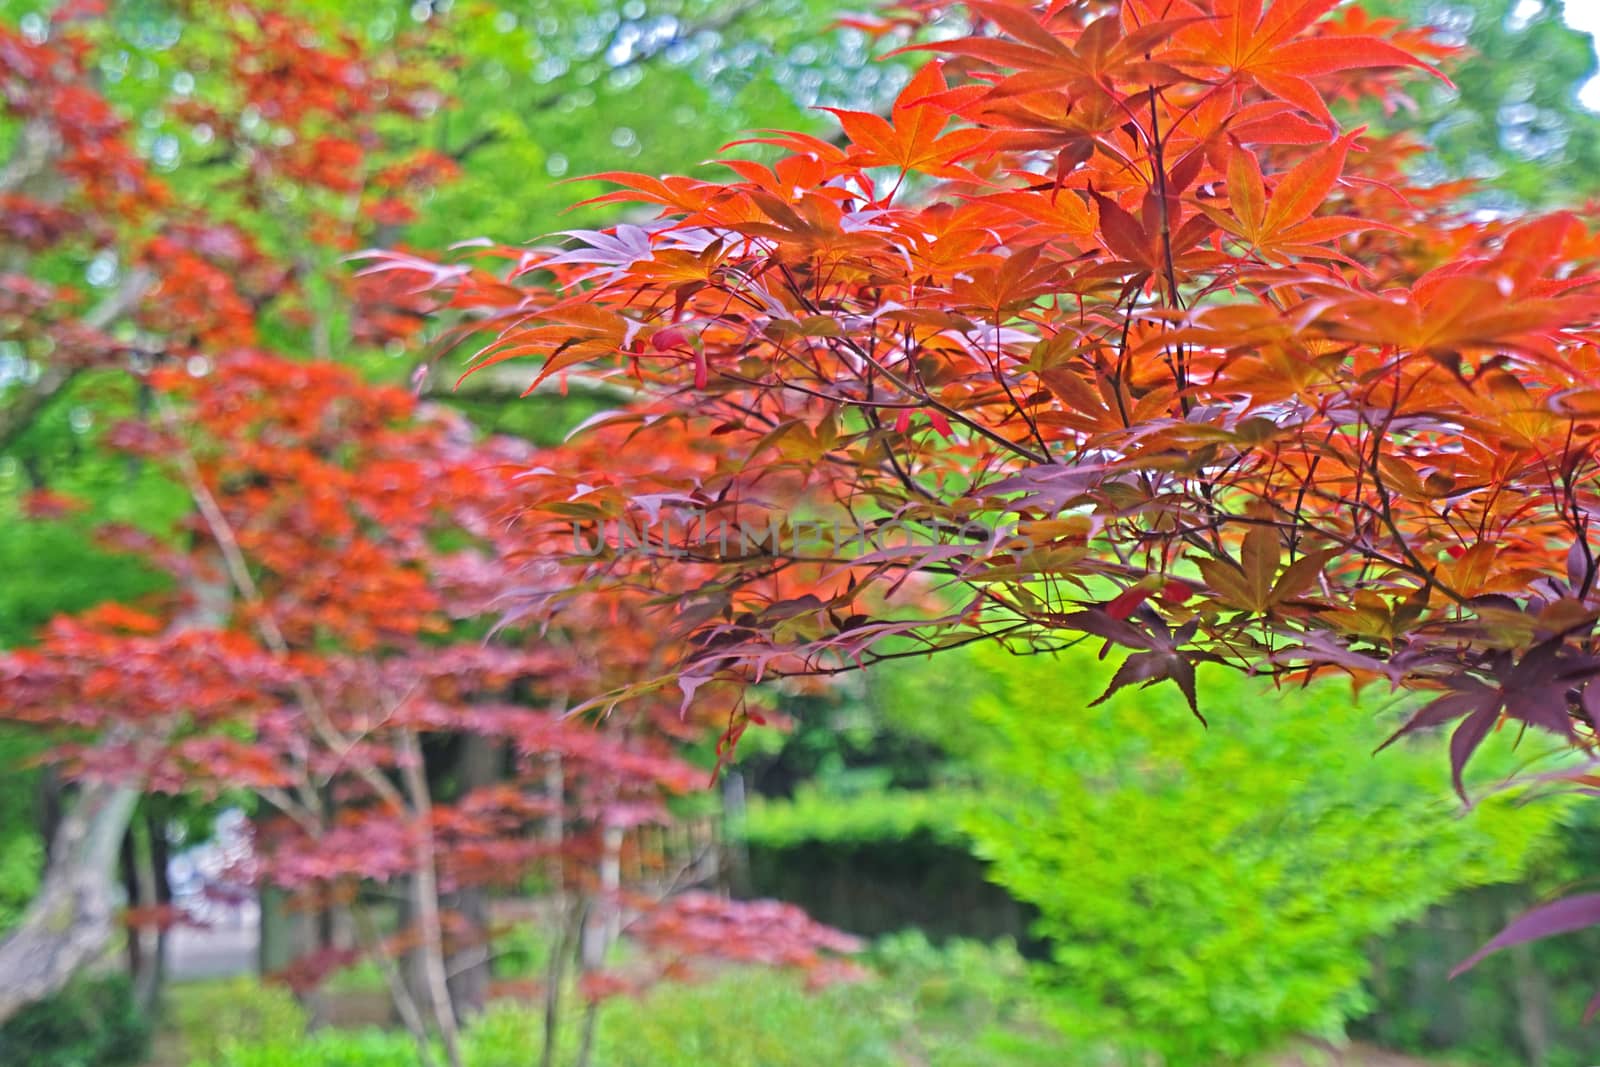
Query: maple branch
point(1159, 165)
point(928, 400)
point(301, 814)
point(555, 972)
point(1000, 378)
point(404, 1002)
point(1427, 574)
point(425, 895)
point(505, 381)
point(238, 569)
point(24, 405)
point(35, 144)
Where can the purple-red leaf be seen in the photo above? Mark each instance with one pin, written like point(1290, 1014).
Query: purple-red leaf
point(1560, 917)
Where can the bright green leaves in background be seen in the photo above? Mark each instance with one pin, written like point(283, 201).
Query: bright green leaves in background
point(1206, 893)
point(552, 92)
point(1513, 120)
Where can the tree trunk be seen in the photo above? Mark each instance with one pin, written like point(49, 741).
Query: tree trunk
point(554, 832)
point(478, 766)
point(1528, 988)
point(286, 933)
point(601, 931)
point(425, 898)
point(139, 882)
point(72, 919)
point(571, 926)
point(51, 803)
point(736, 872)
point(160, 859)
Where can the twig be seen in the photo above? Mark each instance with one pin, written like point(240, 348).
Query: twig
point(25, 405)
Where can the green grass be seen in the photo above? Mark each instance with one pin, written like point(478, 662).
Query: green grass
point(924, 1006)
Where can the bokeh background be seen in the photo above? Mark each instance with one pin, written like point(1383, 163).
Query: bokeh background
point(1034, 886)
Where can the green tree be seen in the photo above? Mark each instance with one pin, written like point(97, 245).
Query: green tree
point(548, 93)
point(1513, 119)
point(1206, 893)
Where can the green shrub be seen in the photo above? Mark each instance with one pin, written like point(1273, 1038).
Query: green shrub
point(325, 1048)
point(1208, 893)
point(94, 1022)
point(965, 1003)
point(21, 859)
point(970, 981)
point(21, 845)
point(211, 1016)
point(957, 1005)
point(889, 815)
point(962, 1004)
point(523, 951)
point(745, 1019)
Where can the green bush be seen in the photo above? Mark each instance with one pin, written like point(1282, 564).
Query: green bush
point(325, 1048)
point(753, 1019)
point(21, 859)
point(964, 1003)
point(21, 846)
point(956, 1005)
point(523, 951)
point(1207, 893)
point(890, 815)
point(94, 1022)
point(212, 1016)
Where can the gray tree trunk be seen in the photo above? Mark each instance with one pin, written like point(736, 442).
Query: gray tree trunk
point(477, 766)
point(72, 920)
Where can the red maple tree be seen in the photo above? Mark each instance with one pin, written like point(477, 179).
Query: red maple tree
point(324, 634)
point(350, 535)
point(1109, 332)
